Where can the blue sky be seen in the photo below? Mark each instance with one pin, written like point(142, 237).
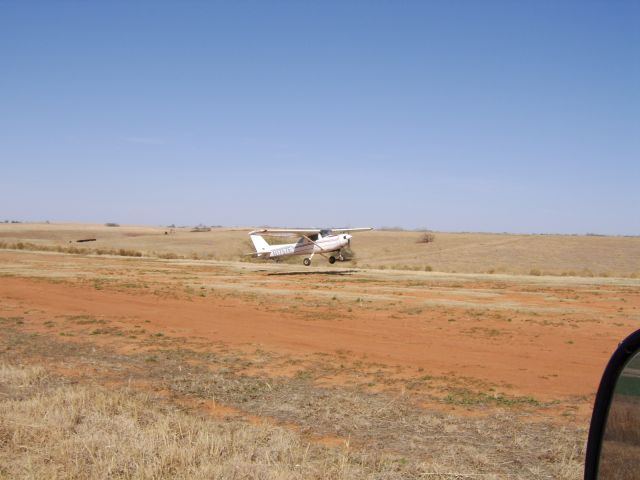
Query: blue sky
point(460, 116)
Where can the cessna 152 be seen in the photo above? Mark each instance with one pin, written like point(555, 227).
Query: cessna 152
point(311, 241)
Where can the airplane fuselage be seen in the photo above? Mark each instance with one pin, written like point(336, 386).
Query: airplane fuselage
point(331, 243)
point(310, 241)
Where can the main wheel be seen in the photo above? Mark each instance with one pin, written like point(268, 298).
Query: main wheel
point(332, 260)
point(341, 258)
point(307, 262)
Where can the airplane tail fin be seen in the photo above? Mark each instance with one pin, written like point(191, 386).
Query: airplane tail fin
point(260, 243)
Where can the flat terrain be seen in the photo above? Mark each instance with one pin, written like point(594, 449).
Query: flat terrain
point(562, 255)
point(323, 372)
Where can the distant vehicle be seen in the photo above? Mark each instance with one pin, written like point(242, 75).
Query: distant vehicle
point(327, 242)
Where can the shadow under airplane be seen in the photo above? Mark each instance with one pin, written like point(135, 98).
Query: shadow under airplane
point(321, 272)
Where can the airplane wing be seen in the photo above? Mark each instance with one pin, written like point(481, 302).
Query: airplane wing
point(286, 232)
point(358, 229)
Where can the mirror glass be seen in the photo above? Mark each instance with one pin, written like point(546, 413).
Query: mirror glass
point(620, 454)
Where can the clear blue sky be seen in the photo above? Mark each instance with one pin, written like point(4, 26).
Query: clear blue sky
point(465, 115)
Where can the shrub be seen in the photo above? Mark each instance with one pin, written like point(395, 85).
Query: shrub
point(111, 224)
point(129, 253)
point(426, 237)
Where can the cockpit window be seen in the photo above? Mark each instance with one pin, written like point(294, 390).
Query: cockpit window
point(326, 232)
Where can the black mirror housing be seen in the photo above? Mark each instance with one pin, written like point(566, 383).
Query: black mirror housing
point(629, 347)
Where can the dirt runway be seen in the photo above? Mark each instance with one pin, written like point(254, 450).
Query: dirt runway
point(529, 337)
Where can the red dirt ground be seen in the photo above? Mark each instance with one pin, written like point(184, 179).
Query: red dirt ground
point(528, 358)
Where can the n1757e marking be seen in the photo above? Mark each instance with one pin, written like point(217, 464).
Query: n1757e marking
point(326, 242)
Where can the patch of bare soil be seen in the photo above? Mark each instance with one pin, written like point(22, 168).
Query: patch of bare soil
point(398, 438)
point(494, 376)
point(543, 355)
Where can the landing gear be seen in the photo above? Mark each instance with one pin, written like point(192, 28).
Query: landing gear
point(307, 261)
point(332, 259)
point(341, 258)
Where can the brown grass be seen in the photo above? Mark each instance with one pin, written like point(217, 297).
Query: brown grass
point(57, 427)
point(50, 429)
point(452, 252)
point(28, 246)
point(130, 397)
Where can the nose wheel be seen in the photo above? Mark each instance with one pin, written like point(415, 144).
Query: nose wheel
point(307, 262)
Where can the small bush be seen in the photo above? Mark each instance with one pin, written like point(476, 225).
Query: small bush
point(168, 256)
point(426, 237)
point(535, 272)
point(111, 224)
point(129, 253)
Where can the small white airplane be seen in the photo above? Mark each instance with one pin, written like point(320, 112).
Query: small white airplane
point(311, 241)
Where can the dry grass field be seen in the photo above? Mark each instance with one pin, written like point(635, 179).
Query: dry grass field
point(564, 255)
point(118, 366)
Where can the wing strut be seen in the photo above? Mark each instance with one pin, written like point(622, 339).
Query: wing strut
point(312, 253)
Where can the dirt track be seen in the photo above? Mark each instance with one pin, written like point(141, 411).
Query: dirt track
point(527, 336)
point(410, 373)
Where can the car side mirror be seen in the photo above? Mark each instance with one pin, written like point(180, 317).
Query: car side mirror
point(613, 448)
